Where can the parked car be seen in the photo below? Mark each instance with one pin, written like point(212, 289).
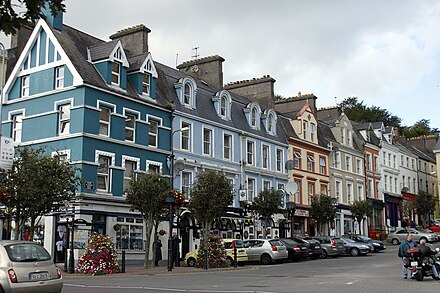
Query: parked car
point(376, 244)
point(434, 228)
point(399, 235)
point(265, 250)
point(352, 247)
point(329, 246)
point(313, 246)
point(295, 250)
point(229, 244)
point(27, 267)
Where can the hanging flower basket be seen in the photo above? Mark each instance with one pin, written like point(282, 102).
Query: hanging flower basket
point(174, 197)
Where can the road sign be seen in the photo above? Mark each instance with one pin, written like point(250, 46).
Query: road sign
point(7, 153)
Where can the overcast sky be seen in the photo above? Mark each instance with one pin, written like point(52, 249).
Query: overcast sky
point(386, 53)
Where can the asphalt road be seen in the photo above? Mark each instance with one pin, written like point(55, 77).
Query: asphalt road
point(377, 272)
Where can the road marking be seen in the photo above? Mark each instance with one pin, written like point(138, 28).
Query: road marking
point(351, 283)
point(161, 289)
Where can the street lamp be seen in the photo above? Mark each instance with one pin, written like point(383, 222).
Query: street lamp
point(171, 200)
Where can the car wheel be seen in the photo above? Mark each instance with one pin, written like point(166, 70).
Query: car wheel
point(324, 254)
point(418, 276)
point(266, 259)
point(230, 261)
point(354, 251)
point(424, 238)
point(395, 241)
point(191, 262)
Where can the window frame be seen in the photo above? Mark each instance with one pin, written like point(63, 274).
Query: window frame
point(187, 135)
point(279, 153)
point(136, 168)
point(186, 189)
point(146, 84)
point(104, 122)
point(297, 157)
point(322, 167)
point(59, 79)
point(25, 86)
point(265, 160)
point(115, 74)
point(129, 128)
point(63, 121)
point(230, 153)
point(251, 193)
point(210, 143)
point(153, 135)
point(107, 175)
point(311, 162)
point(14, 129)
point(252, 153)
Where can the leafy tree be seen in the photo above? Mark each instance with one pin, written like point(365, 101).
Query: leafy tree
point(360, 209)
point(425, 204)
point(420, 128)
point(211, 194)
point(357, 111)
point(15, 14)
point(36, 185)
point(322, 209)
point(266, 204)
point(144, 195)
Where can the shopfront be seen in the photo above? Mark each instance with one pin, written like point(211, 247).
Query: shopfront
point(300, 219)
point(393, 213)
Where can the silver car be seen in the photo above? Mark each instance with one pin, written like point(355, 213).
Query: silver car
point(265, 250)
point(399, 235)
point(27, 267)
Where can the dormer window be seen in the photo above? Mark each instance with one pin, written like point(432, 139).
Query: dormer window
point(146, 84)
point(254, 117)
point(187, 94)
point(223, 107)
point(270, 123)
point(186, 89)
point(312, 131)
point(116, 73)
point(222, 104)
point(269, 119)
point(25, 86)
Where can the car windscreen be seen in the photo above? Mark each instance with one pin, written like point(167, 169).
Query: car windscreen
point(27, 252)
point(276, 243)
point(239, 243)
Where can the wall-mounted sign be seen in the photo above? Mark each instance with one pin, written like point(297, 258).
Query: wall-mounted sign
point(301, 213)
point(7, 153)
point(89, 185)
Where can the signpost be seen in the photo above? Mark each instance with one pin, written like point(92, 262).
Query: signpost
point(7, 153)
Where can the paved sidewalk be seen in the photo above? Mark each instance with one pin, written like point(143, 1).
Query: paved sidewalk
point(139, 270)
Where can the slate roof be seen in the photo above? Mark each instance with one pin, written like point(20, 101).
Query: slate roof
point(325, 134)
point(205, 106)
point(75, 44)
point(287, 127)
point(437, 145)
point(102, 50)
point(136, 62)
point(423, 154)
point(362, 126)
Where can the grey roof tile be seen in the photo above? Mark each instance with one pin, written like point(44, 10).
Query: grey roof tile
point(102, 50)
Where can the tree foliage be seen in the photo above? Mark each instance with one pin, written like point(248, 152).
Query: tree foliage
point(266, 204)
point(15, 14)
point(36, 185)
point(322, 209)
point(420, 128)
point(357, 111)
point(144, 195)
point(361, 209)
point(211, 194)
point(425, 203)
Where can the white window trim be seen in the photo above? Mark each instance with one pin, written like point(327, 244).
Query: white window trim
point(254, 147)
point(58, 78)
point(112, 108)
point(62, 153)
point(149, 84)
point(190, 183)
point(255, 187)
point(231, 146)
point(112, 156)
point(264, 181)
point(153, 163)
point(13, 129)
point(349, 161)
point(211, 151)
point(118, 74)
point(60, 120)
point(268, 167)
point(276, 159)
point(24, 88)
point(156, 144)
point(132, 159)
point(136, 114)
point(191, 135)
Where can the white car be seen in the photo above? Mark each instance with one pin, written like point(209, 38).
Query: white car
point(266, 250)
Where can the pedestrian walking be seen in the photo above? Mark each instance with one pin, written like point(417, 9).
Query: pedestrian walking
point(158, 244)
point(175, 245)
point(404, 246)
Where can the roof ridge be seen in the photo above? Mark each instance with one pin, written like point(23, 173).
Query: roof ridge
point(249, 80)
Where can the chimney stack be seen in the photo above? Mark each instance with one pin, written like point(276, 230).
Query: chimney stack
point(133, 39)
point(260, 90)
point(209, 69)
point(295, 104)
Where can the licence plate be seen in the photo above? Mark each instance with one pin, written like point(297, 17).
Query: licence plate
point(413, 263)
point(38, 276)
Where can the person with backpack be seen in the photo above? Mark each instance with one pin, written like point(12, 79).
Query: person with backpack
point(404, 246)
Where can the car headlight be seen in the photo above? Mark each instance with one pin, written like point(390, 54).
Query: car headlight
point(376, 244)
point(364, 246)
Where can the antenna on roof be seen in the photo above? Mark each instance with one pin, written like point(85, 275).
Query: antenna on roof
point(177, 59)
point(336, 101)
point(195, 52)
point(195, 55)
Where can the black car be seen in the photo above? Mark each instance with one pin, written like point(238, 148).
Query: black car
point(313, 246)
point(296, 250)
point(377, 244)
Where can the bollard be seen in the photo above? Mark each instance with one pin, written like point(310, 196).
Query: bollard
point(123, 261)
point(235, 256)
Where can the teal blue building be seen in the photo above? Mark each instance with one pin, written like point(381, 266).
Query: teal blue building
point(94, 103)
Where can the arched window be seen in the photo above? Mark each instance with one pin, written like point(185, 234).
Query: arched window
point(187, 94)
point(254, 117)
point(223, 109)
point(270, 123)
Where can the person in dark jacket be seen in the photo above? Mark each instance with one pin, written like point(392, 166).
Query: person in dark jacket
point(404, 246)
point(158, 245)
point(427, 252)
point(175, 245)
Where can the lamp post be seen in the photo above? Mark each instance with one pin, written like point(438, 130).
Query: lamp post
point(170, 201)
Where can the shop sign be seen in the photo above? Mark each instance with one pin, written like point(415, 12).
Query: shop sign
point(301, 213)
